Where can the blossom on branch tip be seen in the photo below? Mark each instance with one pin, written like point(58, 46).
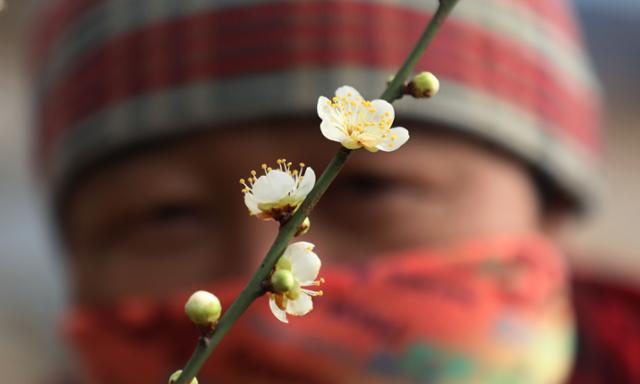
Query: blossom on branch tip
point(296, 270)
point(278, 193)
point(357, 123)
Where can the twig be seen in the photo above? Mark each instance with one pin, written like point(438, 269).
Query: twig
point(254, 288)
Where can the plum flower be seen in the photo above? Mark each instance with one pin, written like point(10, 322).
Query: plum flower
point(357, 123)
point(279, 192)
point(296, 270)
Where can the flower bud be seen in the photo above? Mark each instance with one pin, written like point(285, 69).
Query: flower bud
point(424, 84)
point(304, 227)
point(203, 308)
point(176, 375)
point(390, 79)
point(282, 281)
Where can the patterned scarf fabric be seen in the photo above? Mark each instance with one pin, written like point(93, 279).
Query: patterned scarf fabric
point(489, 311)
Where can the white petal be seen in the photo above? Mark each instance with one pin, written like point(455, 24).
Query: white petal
point(401, 137)
point(251, 203)
point(300, 306)
point(273, 186)
point(332, 131)
point(306, 184)
point(305, 265)
point(381, 107)
point(325, 110)
point(277, 312)
point(345, 90)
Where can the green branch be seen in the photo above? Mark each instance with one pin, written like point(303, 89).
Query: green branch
point(254, 288)
point(394, 90)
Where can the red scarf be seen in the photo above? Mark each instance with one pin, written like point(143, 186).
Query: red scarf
point(488, 311)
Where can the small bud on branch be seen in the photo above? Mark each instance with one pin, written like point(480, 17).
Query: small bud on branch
point(424, 84)
point(203, 308)
point(173, 379)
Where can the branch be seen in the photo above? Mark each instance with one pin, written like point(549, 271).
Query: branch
point(254, 288)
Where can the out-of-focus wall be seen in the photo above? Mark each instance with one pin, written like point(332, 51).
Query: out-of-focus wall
point(31, 293)
point(610, 240)
point(30, 283)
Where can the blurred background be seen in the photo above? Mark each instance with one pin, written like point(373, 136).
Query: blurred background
point(31, 277)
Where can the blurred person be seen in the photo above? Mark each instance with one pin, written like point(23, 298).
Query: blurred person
point(444, 260)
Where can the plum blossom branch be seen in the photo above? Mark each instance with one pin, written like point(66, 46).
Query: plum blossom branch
point(255, 288)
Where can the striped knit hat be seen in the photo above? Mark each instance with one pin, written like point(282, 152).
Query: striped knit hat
point(112, 73)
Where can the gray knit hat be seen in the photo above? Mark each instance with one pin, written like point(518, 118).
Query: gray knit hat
point(112, 73)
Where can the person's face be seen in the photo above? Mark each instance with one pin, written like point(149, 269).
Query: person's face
point(173, 218)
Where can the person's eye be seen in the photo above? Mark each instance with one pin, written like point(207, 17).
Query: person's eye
point(177, 219)
point(364, 186)
point(169, 227)
point(174, 213)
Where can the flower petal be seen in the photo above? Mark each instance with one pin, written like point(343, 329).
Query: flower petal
point(348, 91)
point(251, 203)
point(325, 110)
point(300, 306)
point(305, 264)
point(277, 312)
point(395, 140)
point(332, 131)
point(273, 186)
point(383, 110)
point(306, 184)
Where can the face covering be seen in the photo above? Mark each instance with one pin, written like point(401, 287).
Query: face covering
point(490, 311)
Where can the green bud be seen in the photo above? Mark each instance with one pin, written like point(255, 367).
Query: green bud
point(203, 308)
point(390, 79)
point(282, 281)
point(304, 227)
point(176, 375)
point(424, 84)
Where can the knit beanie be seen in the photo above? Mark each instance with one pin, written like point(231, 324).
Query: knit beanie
point(111, 74)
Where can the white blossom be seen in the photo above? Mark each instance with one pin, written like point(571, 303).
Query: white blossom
point(357, 123)
point(279, 192)
point(304, 265)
